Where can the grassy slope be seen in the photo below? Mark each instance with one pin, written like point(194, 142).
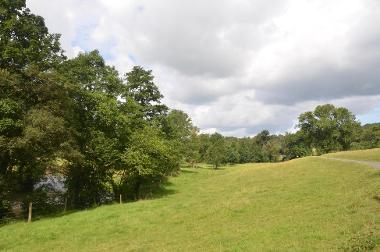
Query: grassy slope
point(364, 155)
point(310, 204)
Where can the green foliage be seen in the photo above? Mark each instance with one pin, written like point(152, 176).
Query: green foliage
point(245, 149)
point(178, 127)
point(90, 72)
point(10, 121)
point(204, 143)
point(261, 148)
point(141, 88)
point(368, 137)
point(149, 157)
point(273, 149)
point(77, 118)
point(192, 146)
point(216, 151)
point(24, 39)
point(33, 130)
point(328, 128)
point(295, 146)
point(232, 153)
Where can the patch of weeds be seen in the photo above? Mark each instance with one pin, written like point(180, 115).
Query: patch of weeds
point(365, 240)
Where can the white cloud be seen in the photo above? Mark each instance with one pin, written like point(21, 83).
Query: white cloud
point(235, 66)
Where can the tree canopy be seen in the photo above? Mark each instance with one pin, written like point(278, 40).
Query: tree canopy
point(329, 128)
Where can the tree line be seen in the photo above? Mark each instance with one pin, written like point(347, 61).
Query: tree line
point(326, 129)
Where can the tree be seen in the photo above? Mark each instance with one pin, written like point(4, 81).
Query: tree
point(370, 136)
point(178, 125)
point(260, 147)
point(204, 144)
point(295, 146)
point(141, 88)
point(149, 158)
point(216, 150)
point(328, 128)
point(191, 152)
point(90, 72)
point(33, 101)
point(232, 154)
point(179, 128)
point(262, 138)
point(273, 149)
point(102, 125)
point(245, 149)
point(25, 41)
point(27, 158)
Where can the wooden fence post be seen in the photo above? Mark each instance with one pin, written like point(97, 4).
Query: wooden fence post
point(120, 199)
point(30, 212)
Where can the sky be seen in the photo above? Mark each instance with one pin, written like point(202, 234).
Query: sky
point(235, 66)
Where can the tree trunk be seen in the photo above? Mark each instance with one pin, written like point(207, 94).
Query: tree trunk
point(30, 212)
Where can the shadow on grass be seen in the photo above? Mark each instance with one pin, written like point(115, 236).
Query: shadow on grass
point(39, 217)
point(162, 191)
point(204, 166)
point(213, 169)
point(157, 192)
point(377, 198)
point(189, 171)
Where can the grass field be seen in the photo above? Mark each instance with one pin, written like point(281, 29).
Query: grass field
point(309, 204)
point(363, 155)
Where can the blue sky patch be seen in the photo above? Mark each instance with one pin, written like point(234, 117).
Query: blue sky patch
point(84, 41)
point(371, 117)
